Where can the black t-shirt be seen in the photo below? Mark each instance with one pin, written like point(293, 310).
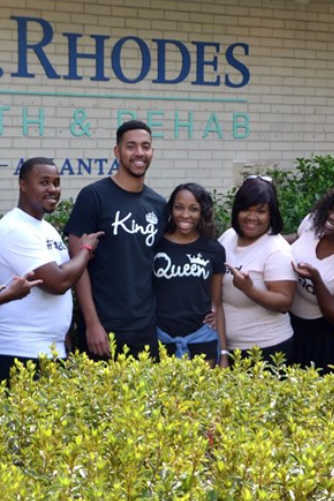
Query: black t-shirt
point(182, 281)
point(121, 271)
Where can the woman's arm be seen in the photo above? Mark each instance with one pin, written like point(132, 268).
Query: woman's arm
point(277, 297)
point(217, 301)
point(324, 297)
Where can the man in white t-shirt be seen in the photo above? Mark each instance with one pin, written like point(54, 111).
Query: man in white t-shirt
point(31, 326)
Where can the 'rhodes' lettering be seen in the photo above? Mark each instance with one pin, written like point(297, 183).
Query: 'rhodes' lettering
point(35, 35)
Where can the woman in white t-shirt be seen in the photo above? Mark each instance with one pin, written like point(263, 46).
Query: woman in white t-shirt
point(312, 312)
point(259, 285)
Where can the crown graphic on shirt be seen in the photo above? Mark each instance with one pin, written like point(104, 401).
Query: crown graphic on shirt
point(151, 218)
point(198, 259)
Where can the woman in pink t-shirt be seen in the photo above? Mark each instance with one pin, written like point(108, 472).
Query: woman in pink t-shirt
point(259, 285)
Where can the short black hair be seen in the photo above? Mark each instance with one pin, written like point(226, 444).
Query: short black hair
point(319, 213)
point(131, 125)
point(28, 165)
point(257, 191)
point(206, 225)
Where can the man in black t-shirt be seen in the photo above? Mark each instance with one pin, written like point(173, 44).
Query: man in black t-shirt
point(115, 294)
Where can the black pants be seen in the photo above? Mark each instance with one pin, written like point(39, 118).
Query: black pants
point(286, 347)
point(136, 340)
point(7, 361)
point(313, 343)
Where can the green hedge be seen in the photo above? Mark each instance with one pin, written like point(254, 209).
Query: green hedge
point(134, 430)
point(60, 216)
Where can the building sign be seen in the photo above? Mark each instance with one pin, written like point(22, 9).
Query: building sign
point(204, 64)
point(208, 65)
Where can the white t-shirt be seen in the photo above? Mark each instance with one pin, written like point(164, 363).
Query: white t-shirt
point(28, 327)
point(268, 259)
point(305, 304)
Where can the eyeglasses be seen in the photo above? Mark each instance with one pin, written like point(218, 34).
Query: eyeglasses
point(268, 179)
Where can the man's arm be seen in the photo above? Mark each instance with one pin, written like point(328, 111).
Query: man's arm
point(97, 337)
point(57, 279)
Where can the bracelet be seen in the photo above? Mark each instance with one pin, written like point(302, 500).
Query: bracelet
point(89, 248)
point(224, 352)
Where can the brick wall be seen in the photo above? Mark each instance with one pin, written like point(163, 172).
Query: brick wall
point(289, 99)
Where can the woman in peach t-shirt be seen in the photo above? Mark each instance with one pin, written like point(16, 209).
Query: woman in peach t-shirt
point(259, 286)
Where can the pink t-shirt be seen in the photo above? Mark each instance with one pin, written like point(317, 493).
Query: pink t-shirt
point(268, 259)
